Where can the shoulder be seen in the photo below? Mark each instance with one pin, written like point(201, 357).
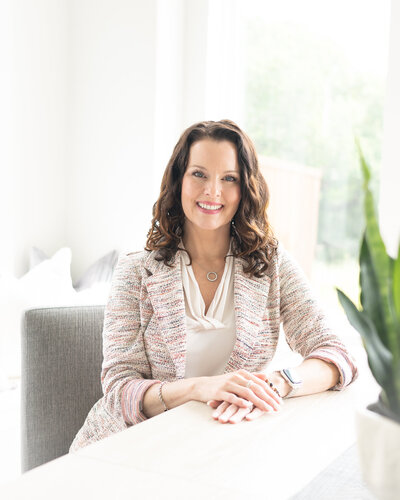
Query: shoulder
point(285, 259)
point(130, 270)
point(284, 266)
point(130, 264)
point(141, 263)
point(279, 256)
point(128, 260)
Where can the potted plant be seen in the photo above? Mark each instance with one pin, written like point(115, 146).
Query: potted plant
point(377, 319)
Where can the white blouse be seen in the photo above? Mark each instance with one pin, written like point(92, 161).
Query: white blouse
point(210, 337)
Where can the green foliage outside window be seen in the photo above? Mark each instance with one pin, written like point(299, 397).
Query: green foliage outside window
point(304, 102)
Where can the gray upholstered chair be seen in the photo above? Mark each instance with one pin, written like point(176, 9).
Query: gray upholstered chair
point(60, 380)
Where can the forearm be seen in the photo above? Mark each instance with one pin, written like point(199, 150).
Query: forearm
point(317, 376)
point(174, 394)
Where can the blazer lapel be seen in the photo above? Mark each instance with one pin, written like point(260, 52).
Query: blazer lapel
point(165, 290)
point(250, 302)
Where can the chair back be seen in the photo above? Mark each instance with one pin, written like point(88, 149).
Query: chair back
point(61, 357)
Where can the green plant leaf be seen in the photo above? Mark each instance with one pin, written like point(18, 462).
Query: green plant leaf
point(370, 298)
point(379, 357)
point(396, 286)
point(379, 258)
point(364, 166)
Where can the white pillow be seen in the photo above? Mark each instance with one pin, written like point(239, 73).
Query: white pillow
point(94, 285)
point(47, 284)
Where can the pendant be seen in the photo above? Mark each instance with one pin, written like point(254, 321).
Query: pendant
point(211, 276)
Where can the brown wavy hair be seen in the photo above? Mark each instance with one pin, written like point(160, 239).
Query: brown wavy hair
point(253, 239)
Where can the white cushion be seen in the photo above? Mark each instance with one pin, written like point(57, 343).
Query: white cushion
point(47, 284)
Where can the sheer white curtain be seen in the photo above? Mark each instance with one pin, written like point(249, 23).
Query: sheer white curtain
point(390, 175)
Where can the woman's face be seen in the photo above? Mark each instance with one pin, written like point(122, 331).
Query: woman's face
point(211, 185)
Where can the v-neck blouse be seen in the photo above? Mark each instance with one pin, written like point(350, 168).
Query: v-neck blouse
point(211, 336)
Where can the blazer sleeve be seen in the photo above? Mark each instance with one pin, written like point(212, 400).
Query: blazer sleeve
point(126, 372)
point(305, 324)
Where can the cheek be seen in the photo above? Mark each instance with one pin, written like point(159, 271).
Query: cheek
point(187, 191)
point(190, 186)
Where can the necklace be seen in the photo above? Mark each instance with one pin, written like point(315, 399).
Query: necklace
point(212, 276)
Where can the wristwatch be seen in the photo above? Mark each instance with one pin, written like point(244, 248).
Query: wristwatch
point(293, 379)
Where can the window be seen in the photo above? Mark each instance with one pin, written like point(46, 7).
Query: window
point(314, 79)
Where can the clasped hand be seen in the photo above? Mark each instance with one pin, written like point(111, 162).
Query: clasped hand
point(240, 395)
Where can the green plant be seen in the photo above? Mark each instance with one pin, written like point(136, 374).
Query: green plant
point(378, 318)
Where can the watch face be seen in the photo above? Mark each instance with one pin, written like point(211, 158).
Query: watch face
point(292, 376)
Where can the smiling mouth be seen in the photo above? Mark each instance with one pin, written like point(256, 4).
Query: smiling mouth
point(209, 206)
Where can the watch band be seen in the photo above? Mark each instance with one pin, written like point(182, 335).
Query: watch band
point(293, 379)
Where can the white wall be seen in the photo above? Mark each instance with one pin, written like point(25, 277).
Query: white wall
point(112, 68)
point(6, 137)
point(34, 121)
point(390, 176)
point(102, 91)
point(169, 105)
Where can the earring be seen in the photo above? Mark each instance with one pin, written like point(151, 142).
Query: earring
point(233, 228)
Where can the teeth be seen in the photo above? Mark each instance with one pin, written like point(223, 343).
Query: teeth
point(209, 207)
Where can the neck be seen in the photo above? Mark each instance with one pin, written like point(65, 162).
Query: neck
point(207, 246)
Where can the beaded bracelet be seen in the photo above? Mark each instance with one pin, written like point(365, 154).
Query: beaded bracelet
point(273, 387)
point(160, 395)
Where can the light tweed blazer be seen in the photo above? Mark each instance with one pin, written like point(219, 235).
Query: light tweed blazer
point(144, 336)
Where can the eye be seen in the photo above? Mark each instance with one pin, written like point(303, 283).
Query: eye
point(197, 173)
point(231, 178)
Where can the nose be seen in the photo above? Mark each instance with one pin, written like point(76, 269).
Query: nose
point(213, 188)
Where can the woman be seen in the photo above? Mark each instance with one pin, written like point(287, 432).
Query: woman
point(196, 315)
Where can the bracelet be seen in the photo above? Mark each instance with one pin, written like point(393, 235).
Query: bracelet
point(160, 395)
point(273, 387)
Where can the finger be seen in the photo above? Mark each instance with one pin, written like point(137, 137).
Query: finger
point(266, 392)
point(229, 412)
point(257, 395)
point(272, 398)
point(266, 384)
point(254, 414)
point(221, 408)
point(232, 398)
point(240, 415)
point(275, 391)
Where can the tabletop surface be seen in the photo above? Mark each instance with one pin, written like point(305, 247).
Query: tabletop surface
point(184, 453)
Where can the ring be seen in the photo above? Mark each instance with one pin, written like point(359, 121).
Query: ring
point(249, 383)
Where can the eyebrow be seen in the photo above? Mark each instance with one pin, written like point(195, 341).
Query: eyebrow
point(204, 168)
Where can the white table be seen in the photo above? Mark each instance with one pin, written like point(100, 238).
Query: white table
point(185, 454)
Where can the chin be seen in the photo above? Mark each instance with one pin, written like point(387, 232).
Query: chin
point(212, 227)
